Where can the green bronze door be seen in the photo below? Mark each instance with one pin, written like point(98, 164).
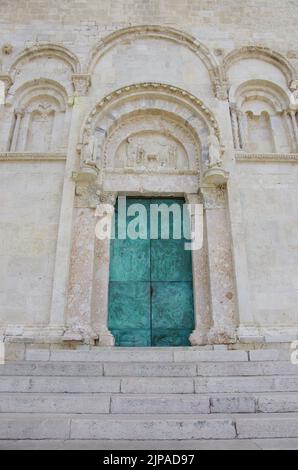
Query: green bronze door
point(150, 289)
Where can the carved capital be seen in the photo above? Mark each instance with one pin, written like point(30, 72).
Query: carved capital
point(7, 80)
point(81, 83)
point(216, 175)
point(214, 197)
point(193, 198)
point(106, 197)
point(221, 91)
point(87, 190)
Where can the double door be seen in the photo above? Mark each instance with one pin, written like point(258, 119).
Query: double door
point(150, 288)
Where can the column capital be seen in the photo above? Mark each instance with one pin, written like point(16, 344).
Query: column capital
point(81, 83)
point(195, 198)
point(107, 197)
point(7, 80)
point(214, 197)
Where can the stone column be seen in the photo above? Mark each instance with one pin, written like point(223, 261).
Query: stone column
point(19, 114)
point(295, 127)
point(23, 134)
point(200, 273)
point(221, 272)
point(63, 249)
point(235, 126)
point(100, 296)
point(78, 316)
point(242, 131)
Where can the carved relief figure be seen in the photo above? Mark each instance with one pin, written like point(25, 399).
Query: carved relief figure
point(214, 150)
point(89, 148)
point(173, 154)
point(150, 152)
point(131, 152)
point(140, 160)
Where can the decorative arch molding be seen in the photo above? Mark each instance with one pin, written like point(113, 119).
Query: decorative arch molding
point(263, 89)
point(171, 102)
point(38, 117)
point(39, 50)
point(167, 34)
point(261, 53)
point(262, 118)
point(38, 87)
point(193, 103)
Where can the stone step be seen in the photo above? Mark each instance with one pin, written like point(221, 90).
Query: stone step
point(140, 404)
point(145, 385)
point(267, 425)
point(246, 384)
point(142, 355)
point(142, 427)
point(87, 444)
point(172, 354)
point(94, 403)
point(89, 369)
point(59, 384)
point(212, 403)
point(210, 369)
point(141, 369)
point(61, 426)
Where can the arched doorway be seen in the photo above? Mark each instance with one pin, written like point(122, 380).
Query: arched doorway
point(153, 140)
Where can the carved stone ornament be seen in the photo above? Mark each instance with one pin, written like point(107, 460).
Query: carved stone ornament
point(81, 83)
point(214, 198)
point(266, 157)
point(107, 197)
point(215, 151)
point(221, 91)
point(87, 190)
point(7, 80)
point(216, 175)
point(7, 49)
point(222, 335)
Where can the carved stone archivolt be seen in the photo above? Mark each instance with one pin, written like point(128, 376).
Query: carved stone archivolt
point(262, 53)
point(44, 51)
point(117, 132)
point(166, 34)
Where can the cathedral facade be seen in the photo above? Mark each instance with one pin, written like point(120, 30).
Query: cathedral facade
point(190, 101)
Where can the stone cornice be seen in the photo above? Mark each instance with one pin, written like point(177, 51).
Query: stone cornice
point(266, 157)
point(38, 157)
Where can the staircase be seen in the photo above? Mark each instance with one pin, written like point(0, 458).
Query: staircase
point(159, 398)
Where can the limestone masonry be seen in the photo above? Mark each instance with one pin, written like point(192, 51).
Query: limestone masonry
point(90, 93)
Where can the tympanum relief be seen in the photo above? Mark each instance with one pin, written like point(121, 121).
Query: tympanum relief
point(151, 143)
point(151, 151)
